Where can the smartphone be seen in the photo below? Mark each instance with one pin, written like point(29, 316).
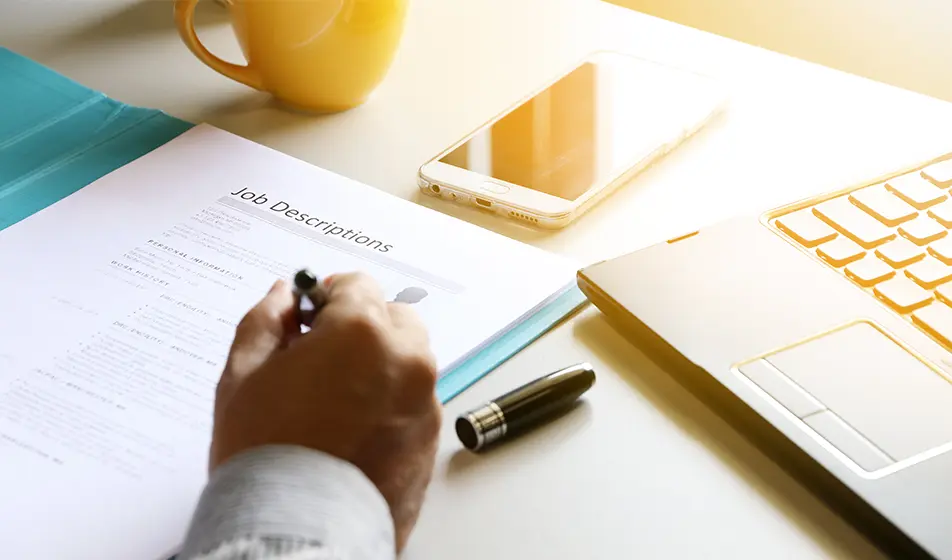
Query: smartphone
point(554, 155)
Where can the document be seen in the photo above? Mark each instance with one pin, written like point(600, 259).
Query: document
point(118, 305)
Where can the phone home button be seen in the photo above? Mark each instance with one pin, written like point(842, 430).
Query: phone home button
point(494, 187)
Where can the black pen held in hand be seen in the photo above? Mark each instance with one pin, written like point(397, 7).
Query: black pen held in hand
point(310, 294)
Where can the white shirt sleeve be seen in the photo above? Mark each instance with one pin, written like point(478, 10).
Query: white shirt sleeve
point(289, 503)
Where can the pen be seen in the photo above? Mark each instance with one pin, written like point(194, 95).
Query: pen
point(310, 294)
point(524, 407)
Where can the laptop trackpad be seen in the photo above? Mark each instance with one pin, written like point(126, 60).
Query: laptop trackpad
point(863, 392)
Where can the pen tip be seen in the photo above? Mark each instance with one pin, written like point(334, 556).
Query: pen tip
point(305, 280)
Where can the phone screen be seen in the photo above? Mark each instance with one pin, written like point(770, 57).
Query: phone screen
point(585, 129)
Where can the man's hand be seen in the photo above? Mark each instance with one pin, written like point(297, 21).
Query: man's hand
point(360, 386)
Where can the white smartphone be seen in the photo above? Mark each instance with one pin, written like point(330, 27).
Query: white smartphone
point(554, 155)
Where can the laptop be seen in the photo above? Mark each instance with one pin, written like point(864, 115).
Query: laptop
point(823, 330)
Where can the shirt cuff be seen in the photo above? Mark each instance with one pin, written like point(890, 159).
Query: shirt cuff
point(295, 493)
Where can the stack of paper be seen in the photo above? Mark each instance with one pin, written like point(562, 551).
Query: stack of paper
point(119, 303)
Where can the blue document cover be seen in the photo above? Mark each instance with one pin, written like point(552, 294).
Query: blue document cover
point(57, 136)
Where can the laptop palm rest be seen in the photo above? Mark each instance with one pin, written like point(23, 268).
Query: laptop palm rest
point(864, 393)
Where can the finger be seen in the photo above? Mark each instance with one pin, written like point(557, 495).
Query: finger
point(268, 326)
point(356, 293)
point(409, 325)
point(412, 346)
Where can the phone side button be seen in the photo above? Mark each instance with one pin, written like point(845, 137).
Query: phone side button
point(494, 187)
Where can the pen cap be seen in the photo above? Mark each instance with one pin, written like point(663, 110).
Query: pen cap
point(524, 407)
point(535, 401)
point(481, 427)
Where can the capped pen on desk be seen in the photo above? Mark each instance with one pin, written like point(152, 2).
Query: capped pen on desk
point(524, 408)
point(311, 296)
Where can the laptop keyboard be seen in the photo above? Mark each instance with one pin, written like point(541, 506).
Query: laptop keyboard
point(892, 240)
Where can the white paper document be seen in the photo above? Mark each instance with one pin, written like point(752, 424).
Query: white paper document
point(118, 304)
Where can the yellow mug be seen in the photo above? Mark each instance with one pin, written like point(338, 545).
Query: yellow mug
point(315, 55)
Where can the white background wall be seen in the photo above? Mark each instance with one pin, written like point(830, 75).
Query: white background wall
point(907, 43)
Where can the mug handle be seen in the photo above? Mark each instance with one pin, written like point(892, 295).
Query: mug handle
point(185, 21)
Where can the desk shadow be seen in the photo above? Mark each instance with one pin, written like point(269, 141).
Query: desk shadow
point(142, 20)
point(242, 103)
point(573, 419)
point(692, 415)
point(257, 115)
point(145, 18)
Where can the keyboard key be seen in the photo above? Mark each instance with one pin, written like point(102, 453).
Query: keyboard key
point(922, 230)
point(944, 294)
point(840, 251)
point(852, 222)
point(900, 252)
point(936, 319)
point(902, 294)
point(942, 250)
point(942, 213)
point(883, 205)
point(916, 190)
point(929, 272)
point(940, 173)
point(805, 228)
point(869, 271)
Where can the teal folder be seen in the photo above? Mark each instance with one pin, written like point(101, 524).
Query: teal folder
point(57, 136)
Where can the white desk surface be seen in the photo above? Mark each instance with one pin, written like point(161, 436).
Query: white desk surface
point(643, 469)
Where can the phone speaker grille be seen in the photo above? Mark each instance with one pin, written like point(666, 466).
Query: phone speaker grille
point(522, 216)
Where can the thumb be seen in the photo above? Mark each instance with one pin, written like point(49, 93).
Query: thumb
point(266, 328)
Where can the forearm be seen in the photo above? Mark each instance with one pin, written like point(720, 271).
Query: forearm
point(289, 503)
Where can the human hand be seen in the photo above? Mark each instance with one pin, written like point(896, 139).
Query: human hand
point(360, 386)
